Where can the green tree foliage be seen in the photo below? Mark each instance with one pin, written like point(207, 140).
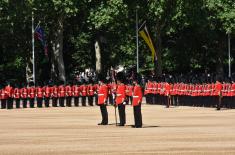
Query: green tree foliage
point(190, 35)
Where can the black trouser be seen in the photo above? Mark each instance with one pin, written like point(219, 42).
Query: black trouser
point(122, 114)
point(47, 102)
point(17, 100)
point(24, 102)
point(31, 102)
point(110, 99)
point(54, 101)
point(3, 104)
point(76, 101)
point(39, 102)
point(96, 99)
point(61, 101)
point(129, 99)
point(9, 103)
point(83, 100)
point(104, 114)
point(68, 101)
point(90, 100)
point(138, 116)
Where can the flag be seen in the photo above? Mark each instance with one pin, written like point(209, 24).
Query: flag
point(40, 35)
point(144, 33)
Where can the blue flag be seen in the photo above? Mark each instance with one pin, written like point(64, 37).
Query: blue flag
point(40, 35)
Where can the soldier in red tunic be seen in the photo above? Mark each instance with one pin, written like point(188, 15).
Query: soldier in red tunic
point(102, 101)
point(3, 98)
point(9, 94)
point(120, 98)
point(83, 89)
point(90, 93)
point(47, 95)
point(16, 94)
point(136, 103)
point(68, 91)
point(54, 95)
point(76, 92)
point(39, 95)
point(31, 95)
point(218, 88)
point(61, 94)
point(24, 95)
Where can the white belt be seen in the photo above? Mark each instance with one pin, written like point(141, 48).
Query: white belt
point(100, 94)
point(135, 96)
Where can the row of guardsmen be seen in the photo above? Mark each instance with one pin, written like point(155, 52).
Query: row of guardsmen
point(208, 94)
point(53, 95)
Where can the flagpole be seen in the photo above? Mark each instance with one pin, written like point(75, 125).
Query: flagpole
point(229, 56)
point(137, 42)
point(33, 57)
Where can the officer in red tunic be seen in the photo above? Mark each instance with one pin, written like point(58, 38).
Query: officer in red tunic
point(31, 95)
point(136, 103)
point(3, 98)
point(61, 94)
point(90, 93)
point(76, 92)
point(9, 94)
point(17, 96)
point(54, 95)
point(68, 91)
point(218, 88)
point(24, 95)
point(83, 89)
point(102, 100)
point(39, 95)
point(120, 98)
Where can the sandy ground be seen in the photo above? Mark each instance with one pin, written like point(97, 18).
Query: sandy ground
point(74, 131)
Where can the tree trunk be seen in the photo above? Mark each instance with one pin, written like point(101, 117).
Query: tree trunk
point(98, 57)
point(158, 64)
point(29, 70)
point(57, 46)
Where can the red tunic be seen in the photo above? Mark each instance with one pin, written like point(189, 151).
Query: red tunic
point(83, 89)
point(102, 94)
point(129, 90)
point(218, 88)
point(167, 89)
point(3, 94)
point(61, 91)
point(90, 90)
point(47, 91)
point(68, 91)
point(75, 90)
point(31, 92)
point(137, 95)
point(120, 94)
point(17, 93)
point(9, 91)
point(54, 91)
point(24, 92)
point(39, 92)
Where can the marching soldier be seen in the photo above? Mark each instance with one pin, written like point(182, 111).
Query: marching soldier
point(137, 100)
point(39, 95)
point(102, 101)
point(218, 88)
point(120, 98)
point(129, 92)
point(17, 96)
